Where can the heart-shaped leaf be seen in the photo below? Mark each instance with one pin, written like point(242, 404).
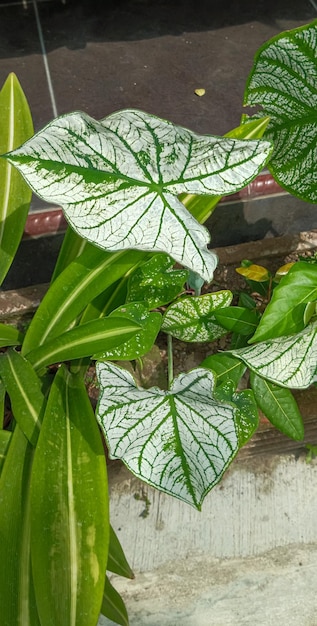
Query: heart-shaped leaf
point(156, 282)
point(180, 441)
point(118, 180)
point(286, 361)
point(283, 82)
point(192, 318)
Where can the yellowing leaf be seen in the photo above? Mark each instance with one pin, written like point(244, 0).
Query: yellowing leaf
point(254, 272)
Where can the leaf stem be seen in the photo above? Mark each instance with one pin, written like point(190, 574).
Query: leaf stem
point(170, 359)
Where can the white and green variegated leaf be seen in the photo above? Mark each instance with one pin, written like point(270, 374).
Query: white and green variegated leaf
point(287, 361)
point(180, 441)
point(283, 81)
point(156, 282)
point(118, 180)
point(192, 318)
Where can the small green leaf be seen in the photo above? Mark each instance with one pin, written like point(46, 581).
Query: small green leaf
point(69, 508)
point(25, 391)
point(225, 367)
point(284, 314)
point(283, 81)
point(238, 319)
point(193, 319)
point(180, 441)
point(103, 334)
point(156, 282)
point(118, 180)
point(117, 562)
point(15, 195)
point(287, 361)
point(113, 606)
point(142, 341)
point(247, 417)
point(279, 406)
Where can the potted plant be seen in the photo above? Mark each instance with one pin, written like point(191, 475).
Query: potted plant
point(135, 190)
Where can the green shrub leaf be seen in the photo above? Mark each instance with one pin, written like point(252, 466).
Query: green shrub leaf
point(225, 367)
point(180, 441)
point(193, 319)
point(283, 81)
point(156, 282)
point(238, 319)
point(117, 562)
point(279, 406)
point(118, 180)
point(113, 606)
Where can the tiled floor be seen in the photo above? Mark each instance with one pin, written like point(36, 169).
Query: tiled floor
point(104, 55)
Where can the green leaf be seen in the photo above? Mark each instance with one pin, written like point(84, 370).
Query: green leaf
point(113, 606)
point(118, 180)
point(17, 598)
point(284, 314)
point(283, 81)
point(180, 441)
point(238, 319)
point(10, 336)
point(103, 334)
point(279, 406)
point(5, 437)
point(24, 389)
point(156, 282)
point(142, 341)
point(247, 417)
point(225, 367)
point(15, 195)
point(117, 562)
point(72, 247)
point(86, 277)
point(193, 319)
point(287, 361)
point(69, 508)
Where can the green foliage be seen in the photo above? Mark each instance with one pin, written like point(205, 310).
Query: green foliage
point(135, 190)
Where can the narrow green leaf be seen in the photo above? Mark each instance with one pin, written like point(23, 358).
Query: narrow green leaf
point(279, 406)
point(69, 508)
point(142, 341)
point(285, 312)
point(15, 195)
point(86, 277)
point(10, 336)
point(156, 282)
point(103, 334)
point(283, 81)
point(117, 562)
point(17, 599)
point(24, 389)
point(225, 367)
point(193, 319)
point(247, 417)
point(180, 441)
point(125, 174)
point(71, 248)
point(5, 437)
point(113, 606)
point(238, 319)
point(287, 361)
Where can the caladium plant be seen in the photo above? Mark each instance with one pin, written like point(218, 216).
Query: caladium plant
point(136, 190)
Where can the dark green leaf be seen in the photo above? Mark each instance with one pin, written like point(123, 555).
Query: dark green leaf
point(279, 406)
point(238, 319)
point(117, 562)
point(5, 437)
point(226, 367)
point(247, 417)
point(113, 606)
